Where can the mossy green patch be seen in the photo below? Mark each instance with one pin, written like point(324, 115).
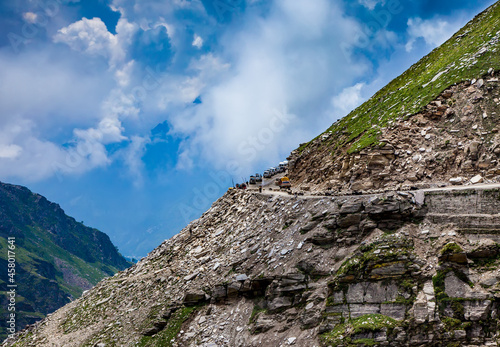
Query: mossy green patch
point(364, 342)
point(451, 248)
point(166, 337)
point(367, 323)
point(255, 313)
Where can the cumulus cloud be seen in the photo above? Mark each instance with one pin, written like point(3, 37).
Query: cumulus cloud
point(43, 97)
point(92, 37)
point(272, 83)
point(24, 153)
point(433, 31)
point(108, 131)
point(277, 92)
point(132, 157)
point(88, 35)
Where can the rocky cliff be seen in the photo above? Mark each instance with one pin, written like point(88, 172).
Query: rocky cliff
point(375, 255)
point(393, 269)
point(435, 123)
point(56, 257)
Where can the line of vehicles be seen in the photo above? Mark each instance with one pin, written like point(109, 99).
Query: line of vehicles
point(276, 170)
point(282, 182)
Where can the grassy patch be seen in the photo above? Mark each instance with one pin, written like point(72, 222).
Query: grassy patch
point(390, 250)
point(344, 332)
point(443, 300)
point(453, 62)
point(451, 248)
point(255, 314)
point(166, 337)
point(364, 342)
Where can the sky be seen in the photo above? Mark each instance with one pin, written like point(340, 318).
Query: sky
point(136, 115)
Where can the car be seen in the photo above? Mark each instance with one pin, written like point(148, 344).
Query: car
point(258, 177)
point(273, 171)
point(283, 183)
point(252, 180)
point(267, 174)
point(241, 186)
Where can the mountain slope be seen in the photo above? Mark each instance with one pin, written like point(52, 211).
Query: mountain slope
point(386, 270)
point(431, 98)
point(56, 257)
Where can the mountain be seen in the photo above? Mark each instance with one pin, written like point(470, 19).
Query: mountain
point(56, 258)
point(435, 122)
point(387, 241)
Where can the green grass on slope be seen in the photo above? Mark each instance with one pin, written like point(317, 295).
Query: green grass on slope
point(461, 58)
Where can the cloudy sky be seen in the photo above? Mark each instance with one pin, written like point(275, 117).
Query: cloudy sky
point(135, 115)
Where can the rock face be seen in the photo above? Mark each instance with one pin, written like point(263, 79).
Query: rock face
point(274, 270)
point(453, 141)
point(56, 257)
point(436, 124)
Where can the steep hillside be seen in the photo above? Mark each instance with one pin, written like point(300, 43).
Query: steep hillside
point(56, 257)
point(436, 121)
point(393, 269)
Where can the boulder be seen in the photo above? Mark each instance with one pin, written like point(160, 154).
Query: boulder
point(349, 220)
point(262, 324)
point(476, 179)
point(457, 180)
point(477, 310)
point(279, 303)
point(194, 298)
point(385, 207)
point(351, 207)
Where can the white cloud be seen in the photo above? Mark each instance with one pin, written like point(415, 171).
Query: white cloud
point(92, 37)
point(277, 89)
point(197, 41)
point(143, 11)
point(42, 98)
point(268, 88)
point(10, 151)
point(132, 157)
point(24, 154)
point(44, 86)
point(88, 35)
point(348, 99)
point(108, 131)
point(434, 31)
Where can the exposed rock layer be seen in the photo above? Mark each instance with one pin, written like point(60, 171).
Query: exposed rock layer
point(455, 138)
point(276, 270)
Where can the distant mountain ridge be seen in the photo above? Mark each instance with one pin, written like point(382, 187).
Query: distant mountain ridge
point(57, 258)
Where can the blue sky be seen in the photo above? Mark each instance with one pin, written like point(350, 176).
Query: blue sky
point(136, 115)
